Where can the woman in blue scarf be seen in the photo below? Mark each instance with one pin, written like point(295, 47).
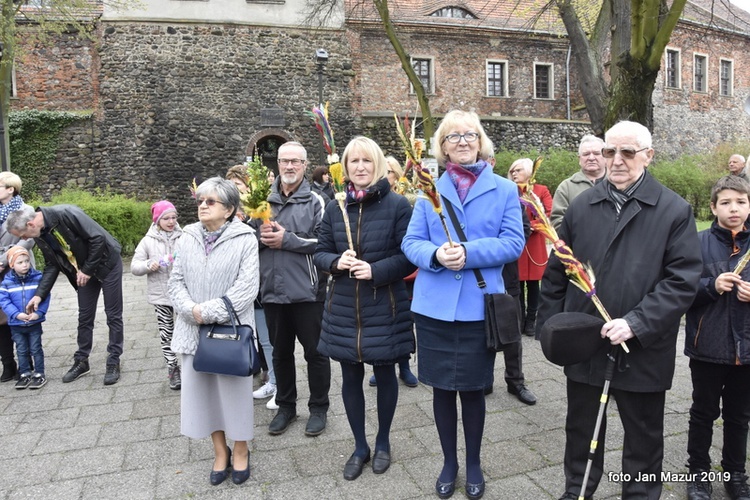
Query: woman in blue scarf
point(448, 305)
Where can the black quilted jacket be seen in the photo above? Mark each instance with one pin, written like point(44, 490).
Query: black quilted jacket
point(367, 321)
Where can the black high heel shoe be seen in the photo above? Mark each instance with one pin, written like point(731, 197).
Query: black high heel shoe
point(240, 476)
point(218, 476)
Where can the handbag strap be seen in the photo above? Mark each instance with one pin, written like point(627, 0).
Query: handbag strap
point(462, 237)
point(232, 313)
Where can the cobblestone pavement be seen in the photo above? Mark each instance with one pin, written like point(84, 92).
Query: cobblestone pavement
point(85, 440)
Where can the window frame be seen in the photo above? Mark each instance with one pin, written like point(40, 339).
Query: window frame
point(431, 69)
point(551, 80)
point(504, 63)
point(677, 71)
point(704, 57)
point(452, 9)
point(730, 79)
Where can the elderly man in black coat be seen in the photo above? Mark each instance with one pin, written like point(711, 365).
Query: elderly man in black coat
point(640, 239)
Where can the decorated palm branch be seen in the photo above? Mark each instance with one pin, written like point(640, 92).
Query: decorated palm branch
point(528, 186)
point(319, 115)
point(581, 275)
point(742, 263)
point(193, 189)
point(421, 177)
point(255, 200)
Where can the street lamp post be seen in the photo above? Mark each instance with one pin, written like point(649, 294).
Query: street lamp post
point(3, 89)
point(321, 58)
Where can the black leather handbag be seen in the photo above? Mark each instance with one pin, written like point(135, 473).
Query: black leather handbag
point(227, 349)
point(502, 318)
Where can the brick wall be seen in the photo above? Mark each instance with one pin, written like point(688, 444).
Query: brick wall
point(689, 121)
point(61, 77)
point(459, 58)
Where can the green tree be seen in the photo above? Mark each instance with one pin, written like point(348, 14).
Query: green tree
point(637, 32)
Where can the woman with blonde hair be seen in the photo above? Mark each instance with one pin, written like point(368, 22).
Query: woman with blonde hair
point(366, 317)
point(448, 305)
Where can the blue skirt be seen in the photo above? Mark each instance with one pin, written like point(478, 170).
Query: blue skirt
point(453, 355)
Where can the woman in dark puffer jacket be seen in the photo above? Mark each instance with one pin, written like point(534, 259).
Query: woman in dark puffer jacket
point(366, 317)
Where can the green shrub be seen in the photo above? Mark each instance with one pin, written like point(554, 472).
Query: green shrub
point(690, 176)
point(557, 165)
point(124, 218)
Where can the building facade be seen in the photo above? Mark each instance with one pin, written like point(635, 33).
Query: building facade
point(185, 89)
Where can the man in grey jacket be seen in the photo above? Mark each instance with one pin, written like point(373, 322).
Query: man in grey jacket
point(291, 290)
point(592, 169)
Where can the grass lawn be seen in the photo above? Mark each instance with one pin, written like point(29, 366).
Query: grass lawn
point(703, 224)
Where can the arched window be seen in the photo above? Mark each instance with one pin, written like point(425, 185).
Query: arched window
point(456, 12)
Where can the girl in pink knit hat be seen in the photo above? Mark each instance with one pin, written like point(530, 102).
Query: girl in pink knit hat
point(153, 257)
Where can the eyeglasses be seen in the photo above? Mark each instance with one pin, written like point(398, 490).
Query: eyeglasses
point(627, 153)
point(456, 138)
point(589, 153)
point(208, 201)
point(294, 161)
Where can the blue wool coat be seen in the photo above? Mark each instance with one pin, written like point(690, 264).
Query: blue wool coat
point(491, 218)
point(367, 320)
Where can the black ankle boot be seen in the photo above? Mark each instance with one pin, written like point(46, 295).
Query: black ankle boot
point(9, 372)
point(529, 324)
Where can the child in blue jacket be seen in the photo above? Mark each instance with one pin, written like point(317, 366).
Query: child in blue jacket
point(717, 341)
point(17, 288)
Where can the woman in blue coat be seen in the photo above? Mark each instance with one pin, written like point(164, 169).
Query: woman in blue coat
point(366, 317)
point(448, 305)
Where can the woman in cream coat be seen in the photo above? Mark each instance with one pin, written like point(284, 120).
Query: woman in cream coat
point(216, 257)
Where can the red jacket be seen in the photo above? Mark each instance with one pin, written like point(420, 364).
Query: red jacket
point(533, 259)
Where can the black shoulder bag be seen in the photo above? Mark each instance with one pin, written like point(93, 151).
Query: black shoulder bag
point(227, 349)
point(502, 320)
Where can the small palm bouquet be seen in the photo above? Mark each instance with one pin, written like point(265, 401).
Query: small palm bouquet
point(255, 201)
point(319, 115)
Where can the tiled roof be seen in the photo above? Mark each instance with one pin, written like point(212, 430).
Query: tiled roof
point(83, 10)
point(513, 14)
point(538, 15)
point(720, 13)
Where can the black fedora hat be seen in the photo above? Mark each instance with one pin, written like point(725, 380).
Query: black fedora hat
point(568, 338)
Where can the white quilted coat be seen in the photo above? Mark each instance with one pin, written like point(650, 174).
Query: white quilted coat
point(230, 269)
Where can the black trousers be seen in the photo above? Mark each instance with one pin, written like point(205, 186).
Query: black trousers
point(642, 417)
point(287, 322)
point(513, 355)
point(712, 384)
point(514, 364)
point(6, 346)
point(88, 296)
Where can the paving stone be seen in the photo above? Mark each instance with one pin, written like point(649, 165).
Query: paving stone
point(91, 462)
point(87, 441)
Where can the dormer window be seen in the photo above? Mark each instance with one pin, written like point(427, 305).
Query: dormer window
point(455, 12)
